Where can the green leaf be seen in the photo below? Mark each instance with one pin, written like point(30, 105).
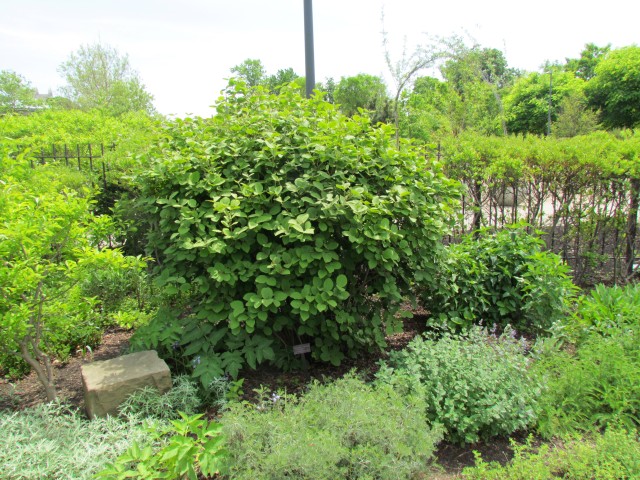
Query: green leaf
point(232, 363)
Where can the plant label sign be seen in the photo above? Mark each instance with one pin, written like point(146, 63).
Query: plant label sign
point(301, 349)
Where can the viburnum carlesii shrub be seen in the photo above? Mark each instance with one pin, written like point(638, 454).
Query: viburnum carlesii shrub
point(283, 222)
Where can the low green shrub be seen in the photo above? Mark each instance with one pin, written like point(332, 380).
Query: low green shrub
point(477, 385)
point(54, 441)
point(597, 384)
point(613, 455)
point(498, 279)
point(345, 429)
point(190, 447)
point(119, 287)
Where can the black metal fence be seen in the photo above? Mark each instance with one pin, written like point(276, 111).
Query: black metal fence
point(591, 222)
point(87, 157)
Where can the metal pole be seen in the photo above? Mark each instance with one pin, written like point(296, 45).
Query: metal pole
point(308, 48)
point(549, 108)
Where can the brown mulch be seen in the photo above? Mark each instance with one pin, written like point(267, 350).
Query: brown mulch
point(452, 458)
point(28, 391)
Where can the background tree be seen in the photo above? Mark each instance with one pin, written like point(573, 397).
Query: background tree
point(615, 88)
point(527, 104)
point(251, 71)
point(430, 110)
point(585, 66)
point(478, 76)
point(404, 70)
point(575, 117)
point(363, 91)
point(283, 77)
point(328, 87)
point(16, 93)
point(99, 77)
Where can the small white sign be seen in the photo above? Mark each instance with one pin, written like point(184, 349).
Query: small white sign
point(301, 349)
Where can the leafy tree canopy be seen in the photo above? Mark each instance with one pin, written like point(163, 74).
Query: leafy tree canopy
point(363, 91)
point(527, 104)
point(251, 71)
point(16, 93)
point(615, 88)
point(99, 77)
point(585, 66)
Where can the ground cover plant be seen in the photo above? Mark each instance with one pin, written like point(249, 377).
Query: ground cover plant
point(54, 441)
point(283, 222)
point(476, 384)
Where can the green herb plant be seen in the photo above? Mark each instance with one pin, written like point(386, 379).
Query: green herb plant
point(612, 455)
point(345, 429)
point(475, 384)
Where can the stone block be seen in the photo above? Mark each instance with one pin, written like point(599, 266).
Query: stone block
point(108, 383)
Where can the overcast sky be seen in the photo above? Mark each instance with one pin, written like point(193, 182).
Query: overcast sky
point(184, 49)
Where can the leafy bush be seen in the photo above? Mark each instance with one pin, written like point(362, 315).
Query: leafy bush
point(345, 429)
point(53, 441)
point(120, 288)
point(289, 223)
point(597, 385)
point(611, 456)
point(190, 448)
point(499, 278)
point(47, 249)
point(475, 384)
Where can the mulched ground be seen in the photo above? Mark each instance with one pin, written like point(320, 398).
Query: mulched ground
point(452, 458)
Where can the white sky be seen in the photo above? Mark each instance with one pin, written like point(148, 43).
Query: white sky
point(183, 49)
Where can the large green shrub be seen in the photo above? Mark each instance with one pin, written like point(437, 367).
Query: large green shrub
point(288, 223)
point(498, 279)
point(346, 429)
point(475, 384)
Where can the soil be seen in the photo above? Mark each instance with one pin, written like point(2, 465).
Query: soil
point(451, 458)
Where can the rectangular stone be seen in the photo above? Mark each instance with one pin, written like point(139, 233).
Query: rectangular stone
point(108, 383)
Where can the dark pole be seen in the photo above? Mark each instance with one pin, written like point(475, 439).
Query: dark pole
point(549, 108)
point(308, 47)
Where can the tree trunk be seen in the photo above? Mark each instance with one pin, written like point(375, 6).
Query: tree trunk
point(43, 370)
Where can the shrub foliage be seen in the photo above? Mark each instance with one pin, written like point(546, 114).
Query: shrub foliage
point(499, 278)
point(286, 223)
point(475, 384)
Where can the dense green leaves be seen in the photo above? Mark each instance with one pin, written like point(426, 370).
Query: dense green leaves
point(288, 223)
point(498, 279)
point(615, 89)
point(48, 251)
point(345, 429)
